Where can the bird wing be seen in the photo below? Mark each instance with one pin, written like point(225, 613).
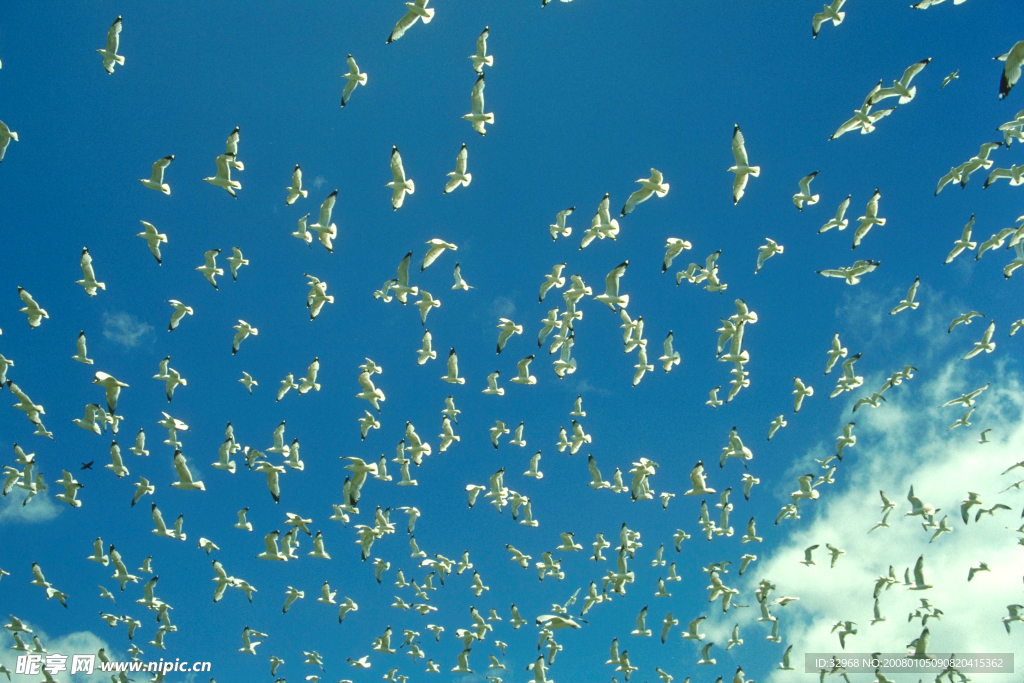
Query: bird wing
point(113, 36)
point(182, 468)
point(739, 150)
point(232, 142)
point(158, 169)
point(326, 208)
point(477, 98)
point(481, 43)
point(461, 159)
point(402, 26)
point(396, 166)
point(912, 71)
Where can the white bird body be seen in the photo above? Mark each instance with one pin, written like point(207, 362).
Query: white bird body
point(742, 169)
point(655, 185)
point(459, 177)
point(481, 58)
point(831, 13)
point(156, 180)
point(295, 190)
point(109, 53)
point(559, 227)
point(804, 196)
point(476, 116)
point(355, 77)
point(839, 222)
point(223, 177)
point(400, 185)
point(6, 135)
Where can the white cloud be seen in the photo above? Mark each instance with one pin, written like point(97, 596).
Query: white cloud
point(41, 508)
point(124, 329)
point(906, 442)
point(503, 307)
point(78, 642)
point(319, 181)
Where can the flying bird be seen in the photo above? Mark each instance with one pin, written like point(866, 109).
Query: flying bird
point(742, 169)
point(110, 56)
point(417, 10)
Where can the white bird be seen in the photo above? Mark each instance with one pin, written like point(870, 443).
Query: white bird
point(492, 384)
point(248, 381)
point(112, 386)
point(426, 302)
point(460, 283)
point(673, 247)
point(223, 177)
point(1015, 174)
point(964, 242)
point(295, 190)
point(88, 280)
point(417, 10)
point(109, 53)
point(459, 177)
point(767, 251)
point(742, 169)
point(839, 221)
point(602, 225)
point(476, 116)
point(400, 185)
point(156, 180)
point(185, 480)
point(481, 58)
point(243, 330)
point(908, 302)
point(32, 309)
point(611, 296)
point(986, 344)
point(669, 357)
point(1011, 72)
point(852, 274)
point(524, 376)
point(869, 219)
point(437, 247)
point(153, 239)
point(697, 478)
point(82, 356)
point(919, 584)
point(453, 370)
point(557, 228)
point(801, 391)
point(301, 232)
point(231, 150)
point(649, 186)
point(6, 135)
point(325, 229)
point(355, 77)
point(863, 118)
point(209, 269)
point(902, 87)
point(831, 13)
point(804, 196)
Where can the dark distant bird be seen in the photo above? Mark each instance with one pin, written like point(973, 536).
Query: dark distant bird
point(87, 465)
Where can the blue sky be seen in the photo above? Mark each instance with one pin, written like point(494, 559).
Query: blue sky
point(587, 96)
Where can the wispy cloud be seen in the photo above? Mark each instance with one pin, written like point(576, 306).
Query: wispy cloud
point(124, 329)
point(78, 642)
point(319, 182)
point(502, 307)
point(41, 508)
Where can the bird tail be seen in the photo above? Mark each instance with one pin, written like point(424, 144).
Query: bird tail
point(430, 15)
point(913, 91)
point(755, 171)
point(119, 59)
point(304, 193)
point(665, 192)
point(13, 136)
point(488, 118)
point(468, 180)
point(411, 189)
point(841, 15)
point(625, 300)
point(362, 79)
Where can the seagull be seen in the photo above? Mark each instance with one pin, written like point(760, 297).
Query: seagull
point(223, 177)
point(1011, 72)
point(697, 478)
point(355, 77)
point(902, 87)
point(324, 228)
point(557, 228)
point(852, 274)
point(863, 118)
point(767, 251)
point(1015, 174)
point(964, 242)
point(32, 310)
point(453, 370)
point(994, 242)
point(231, 149)
point(967, 400)
point(986, 344)
point(481, 58)
point(649, 186)
point(801, 391)
point(742, 169)
point(82, 356)
point(714, 402)
point(209, 269)
point(476, 116)
point(185, 480)
point(426, 302)
point(611, 296)
point(492, 383)
point(908, 302)
point(670, 357)
point(831, 13)
point(417, 10)
point(243, 330)
point(110, 56)
point(673, 247)
point(6, 135)
point(248, 381)
point(302, 233)
point(437, 247)
point(400, 185)
point(524, 376)
point(88, 280)
point(919, 584)
point(459, 177)
point(839, 221)
point(804, 196)
point(984, 436)
point(156, 181)
point(869, 219)
point(978, 161)
point(296, 191)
